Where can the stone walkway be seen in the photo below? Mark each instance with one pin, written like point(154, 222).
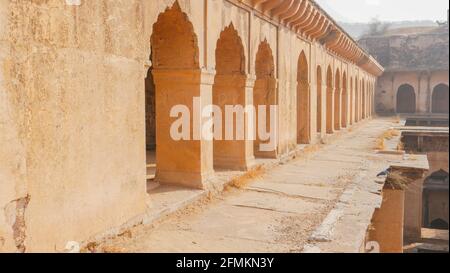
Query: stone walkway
point(277, 212)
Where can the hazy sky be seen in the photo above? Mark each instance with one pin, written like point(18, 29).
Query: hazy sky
point(385, 10)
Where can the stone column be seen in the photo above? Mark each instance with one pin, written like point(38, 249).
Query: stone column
point(183, 162)
point(413, 210)
point(429, 94)
point(303, 114)
point(387, 222)
point(364, 103)
point(268, 98)
point(321, 113)
point(337, 109)
point(236, 153)
point(330, 110)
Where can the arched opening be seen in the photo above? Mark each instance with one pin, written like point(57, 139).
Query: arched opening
point(337, 101)
point(330, 101)
point(439, 224)
point(440, 99)
point(364, 98)
point(150, 125)
point(369, 101)
point(435, 200)
point(406, 99)
point(372, 102)
point(173, 80)
point(319, 99)
point(357, 96)
point(264, 93)
point(229, 89)
point(352, 98)
point(345, 102)
point(303, 102)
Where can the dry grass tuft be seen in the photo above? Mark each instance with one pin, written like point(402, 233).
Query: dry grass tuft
point(311, 149)
point(242, 181)
point(397, 181)
point(380, 144)
point(390, 134)
point(400, 146)
point(113, 249)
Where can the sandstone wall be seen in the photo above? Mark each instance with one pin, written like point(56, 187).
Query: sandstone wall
point(414, 52)
point(12, 146)
point(75, 75)
point(423, 83)
point(72, 115)
point(419, 60)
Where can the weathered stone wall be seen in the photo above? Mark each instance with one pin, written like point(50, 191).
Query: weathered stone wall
point(12, 140)
point(387, 222)
point(72, 82)
point(419, 60)
point(436, 148)
point(414, 52)
point(438, 206)
point(72, 115)
point(423, 83)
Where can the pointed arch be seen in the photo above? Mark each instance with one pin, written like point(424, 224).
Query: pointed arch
point(406, 99)
point(319, 98)
point(230, 56)
point(337, 100)
point(264, 92)
point(344, 112)
point(363, 100)
point(174, 48)
point(440, 99)
point(303, 101)
point(229, 88)
point(352, 104)
point(357, 96)
point(330, 101)
point(173, 42)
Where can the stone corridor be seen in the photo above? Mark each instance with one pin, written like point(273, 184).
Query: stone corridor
point(96, 93)
point(282, 210)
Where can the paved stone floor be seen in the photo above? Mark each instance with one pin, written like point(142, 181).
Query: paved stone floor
point(277, 212)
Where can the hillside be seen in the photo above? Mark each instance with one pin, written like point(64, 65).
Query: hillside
point(356, 30)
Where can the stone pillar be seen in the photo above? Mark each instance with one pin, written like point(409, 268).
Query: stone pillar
point(369, 102)
point(419, 93)
point(269, 97)
point(183, 162)
point(413, 210)
point(356, 105)
point(387, 222)
point(429, 94)
point(330, 110)
point(303, 114)
point(350, 105)
point(337, 109)
point(345, 112)
point(236, 154)
point(364, 103)
point(321, 111)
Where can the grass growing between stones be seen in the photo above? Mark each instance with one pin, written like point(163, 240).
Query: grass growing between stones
point(380, 142)
point(242, 181)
